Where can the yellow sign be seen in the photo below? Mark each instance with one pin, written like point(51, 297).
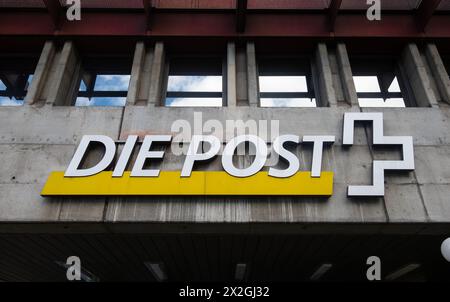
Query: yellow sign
point(199, 183)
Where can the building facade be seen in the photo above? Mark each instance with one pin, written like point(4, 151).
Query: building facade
point(327, 46)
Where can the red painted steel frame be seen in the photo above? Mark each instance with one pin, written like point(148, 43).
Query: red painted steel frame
point(214, 24)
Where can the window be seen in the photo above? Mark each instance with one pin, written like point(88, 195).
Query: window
point(378, 83)
point(285, 83)
point(195, 82)
point(104, 90)
point(16, 75)
point(370, 93)
point(104, 82)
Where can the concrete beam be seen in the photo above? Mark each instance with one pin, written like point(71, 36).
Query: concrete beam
point(416, 73)
point(41, 73)
point(31, 152)
point(67, 76)
point(428, 126)
point(252, 76)
point(439, 72)
point(136, 70)
point(231, 75)
point(326, 93)
point(241, 76)
point(157, 75)
point(346, 74)
point(56, 125)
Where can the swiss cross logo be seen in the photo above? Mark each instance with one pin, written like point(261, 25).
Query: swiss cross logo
point(379, 166)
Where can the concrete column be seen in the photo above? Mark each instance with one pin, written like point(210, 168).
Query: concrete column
point(439, 72)
point(346, 74)
point(157, 75)
point(40, 74)
point(326, 93)
point(65, 80)
point(241, 76)
point(417, 76)
point(231, 75)
point(252, 76)
point(145, 78)
point(136, 71)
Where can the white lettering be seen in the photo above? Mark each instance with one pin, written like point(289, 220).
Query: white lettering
point(110, 150)
point(258, 162)
point(278, 146)
point(193, 155)
point(145, 153)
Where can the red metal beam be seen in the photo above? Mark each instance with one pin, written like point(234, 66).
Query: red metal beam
point(206, 24)
point(425, 12)
point(56, 11)
point(241, 7)
point(333, 10)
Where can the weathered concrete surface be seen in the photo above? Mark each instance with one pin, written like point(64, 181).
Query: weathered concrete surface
point(35, 141)
point(417, 76)
point(403, 201)
point(65, 80)
point(346, 76)
point(439, 73)
point(437, 202)
point(428, 126)
point(252, 75)
point(304, 121)
point(335, 69)
point(137, 74)
point(31, 154)
point(41, 73)
point(157, 75)
point(231, 75)
point(432, 164)
point(241, 77)
point(326, 93)
point(56, 124)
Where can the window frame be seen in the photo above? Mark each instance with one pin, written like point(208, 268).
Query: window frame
point(194, 94)
point(95, 66)
point(309, 76)
point(92, 93)
point(22, 65)
point(379, 65)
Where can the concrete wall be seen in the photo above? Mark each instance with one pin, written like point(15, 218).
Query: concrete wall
point(41, 137)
